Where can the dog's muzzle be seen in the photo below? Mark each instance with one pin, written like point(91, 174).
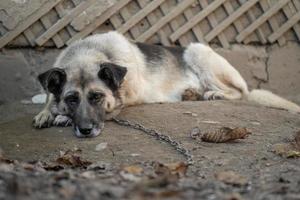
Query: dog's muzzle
point(88, 132)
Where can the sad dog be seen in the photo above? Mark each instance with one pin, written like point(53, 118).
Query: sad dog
point(94, 78)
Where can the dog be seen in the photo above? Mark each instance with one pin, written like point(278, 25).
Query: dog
point(94, 78)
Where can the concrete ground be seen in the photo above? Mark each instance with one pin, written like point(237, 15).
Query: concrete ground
point(252, 169)
point(267, 174)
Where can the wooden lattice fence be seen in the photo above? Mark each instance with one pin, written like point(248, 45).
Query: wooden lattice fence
point(169, 22)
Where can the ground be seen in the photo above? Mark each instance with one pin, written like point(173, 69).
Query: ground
point(261, 174)
point(123, 163)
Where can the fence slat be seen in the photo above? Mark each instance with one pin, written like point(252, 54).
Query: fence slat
point(174, 26)
point(61, 13)
point(229, 9)
point(6, 38)
point(196, 19)
point(163, 21)
point(139, 16)
point(196, 29)
point(124, 12)
point(287, 25)
point(258, 31)
point(152, 19)
point(265, 4)
point(213, 22)
point(295, 8)
point(175, 12)
point(225, 23)
point(259, 21)
point(29, 36)
point(98, 21)
point(56, 39)
point(60, 24)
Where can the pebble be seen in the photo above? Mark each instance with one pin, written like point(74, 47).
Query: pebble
point(101, 146)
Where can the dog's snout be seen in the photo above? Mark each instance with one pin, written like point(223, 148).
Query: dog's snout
point(88, 131)
point(85, 131)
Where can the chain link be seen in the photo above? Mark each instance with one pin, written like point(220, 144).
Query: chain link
point(159, 136)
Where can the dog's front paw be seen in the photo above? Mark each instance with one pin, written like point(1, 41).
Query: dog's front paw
point(62, 120)
point(43, 119)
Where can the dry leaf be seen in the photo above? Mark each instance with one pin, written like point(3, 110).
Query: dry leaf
point(131, 173)
point(293, 154)
point(133, 170)
point(286, 150)
point(165, 174)
point(53, 167)
point(161, 169)
point(72, 159)
point(231, 177)
point(28, 166)
point(5, 160)
point(179, 168)
point(225, 134)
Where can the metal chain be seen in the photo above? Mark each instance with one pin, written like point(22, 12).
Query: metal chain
point(159, 136)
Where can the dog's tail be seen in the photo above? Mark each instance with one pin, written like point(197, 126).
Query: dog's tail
point(268, 99)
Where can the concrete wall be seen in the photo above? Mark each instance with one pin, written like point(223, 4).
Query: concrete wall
point(57, 23)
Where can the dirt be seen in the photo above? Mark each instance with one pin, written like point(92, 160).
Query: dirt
point(264, 174)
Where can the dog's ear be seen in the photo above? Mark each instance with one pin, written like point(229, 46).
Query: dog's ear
point(112, 74)
point(53, 80)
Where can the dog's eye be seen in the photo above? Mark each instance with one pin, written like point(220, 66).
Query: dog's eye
point(72, 100)
point(95, 97)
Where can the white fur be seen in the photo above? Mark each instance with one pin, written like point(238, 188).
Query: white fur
point(213, 71)
point(207, 72)
point(45, 117)
point(62, 120)
point(211, 67)
point(269, 99)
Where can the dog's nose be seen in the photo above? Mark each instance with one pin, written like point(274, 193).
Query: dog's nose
point(85, 131)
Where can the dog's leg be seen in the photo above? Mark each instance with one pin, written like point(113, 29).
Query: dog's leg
point(217, 77)
point(228, 94)
point(45, 117)
point(62, 120)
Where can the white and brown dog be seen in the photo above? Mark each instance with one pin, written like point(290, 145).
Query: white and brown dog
point(94, 78)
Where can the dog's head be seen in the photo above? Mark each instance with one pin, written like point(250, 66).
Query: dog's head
point(86, 96)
